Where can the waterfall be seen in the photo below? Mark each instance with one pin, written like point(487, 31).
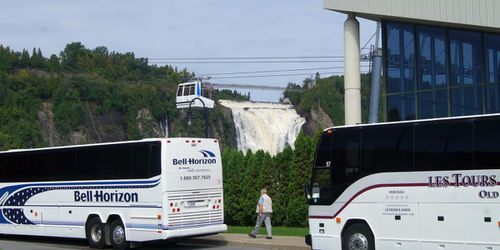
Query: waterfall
point(267, 126)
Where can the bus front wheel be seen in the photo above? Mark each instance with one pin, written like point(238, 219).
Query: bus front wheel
point(94, 231)
point(358, 237)
point(117, 235)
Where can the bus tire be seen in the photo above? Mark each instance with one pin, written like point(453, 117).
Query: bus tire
point(95, 233)
point(358, 236)
point(117, 235)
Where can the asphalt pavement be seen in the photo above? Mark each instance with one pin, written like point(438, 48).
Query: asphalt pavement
point(213, 242)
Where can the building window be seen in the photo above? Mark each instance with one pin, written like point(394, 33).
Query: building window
point(433, 55)
point(465, 55)
point(400, 58)
point(492, 53)
point(401, 107)
point(433, 104)
point(441, 71)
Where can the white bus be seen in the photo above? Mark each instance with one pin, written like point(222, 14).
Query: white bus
point(427, 184)
point(114, 193)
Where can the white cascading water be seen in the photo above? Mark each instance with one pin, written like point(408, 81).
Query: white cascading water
point(267, 126)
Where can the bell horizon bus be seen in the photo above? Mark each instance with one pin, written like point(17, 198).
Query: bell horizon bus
point(421, 184)
point(114, 193)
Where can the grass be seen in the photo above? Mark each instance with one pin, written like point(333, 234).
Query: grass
point(278, 231)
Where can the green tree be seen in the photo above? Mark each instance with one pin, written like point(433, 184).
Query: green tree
point(296, 213)
point(25, 60)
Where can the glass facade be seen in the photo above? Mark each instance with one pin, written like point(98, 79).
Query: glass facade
point(437, 72)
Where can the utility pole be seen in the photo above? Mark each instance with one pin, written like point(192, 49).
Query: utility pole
point(376, 73)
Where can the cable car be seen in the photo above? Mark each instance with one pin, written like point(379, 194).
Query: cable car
point(194, 93)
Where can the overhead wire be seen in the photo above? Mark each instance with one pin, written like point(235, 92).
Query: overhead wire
point(277, 75)
point(271, 71)
point(245, 57)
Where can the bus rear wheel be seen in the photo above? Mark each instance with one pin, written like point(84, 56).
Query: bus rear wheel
point(117, 235)
point(358, 237)
point(94, 232)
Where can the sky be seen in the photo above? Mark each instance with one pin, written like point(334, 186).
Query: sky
point(164, 29)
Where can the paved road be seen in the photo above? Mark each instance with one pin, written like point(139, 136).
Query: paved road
point(45, 243)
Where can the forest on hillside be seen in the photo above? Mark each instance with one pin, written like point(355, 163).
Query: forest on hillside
point(93, 95)
point(69, 92)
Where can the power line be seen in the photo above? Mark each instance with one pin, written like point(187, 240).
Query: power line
point(245, 58)
point(271, 71)
point(277, 75)
point(246, 62)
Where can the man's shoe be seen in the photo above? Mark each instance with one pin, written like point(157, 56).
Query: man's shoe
point(252, 236)
point(269, 238)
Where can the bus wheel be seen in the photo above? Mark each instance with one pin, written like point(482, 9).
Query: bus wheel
point(358, 237)
point(94, 232)
point(117, 235)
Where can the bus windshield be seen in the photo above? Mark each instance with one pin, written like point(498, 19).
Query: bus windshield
point(335, 166)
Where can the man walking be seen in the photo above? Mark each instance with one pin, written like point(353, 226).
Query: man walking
point(264, 209)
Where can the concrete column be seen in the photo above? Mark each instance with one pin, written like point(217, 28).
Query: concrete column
point(352, 76)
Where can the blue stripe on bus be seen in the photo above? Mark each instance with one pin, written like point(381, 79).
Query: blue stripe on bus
point(143, 226)
point(24, 192)
point(63, 223)
point(193, 226)
point(95, 206)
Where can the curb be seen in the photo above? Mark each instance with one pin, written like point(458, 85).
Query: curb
point(242, 240)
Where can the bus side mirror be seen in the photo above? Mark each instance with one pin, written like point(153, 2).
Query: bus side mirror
point(315, 191)
point(307, 191)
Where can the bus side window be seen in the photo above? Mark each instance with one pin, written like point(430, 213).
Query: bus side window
point(39, 166)
point(346, 154)
point(387, 148)
point(487, 146)
point(140, 161)
point(444, 146)
point(16, 167)
point(179, 91)
point(62, 165)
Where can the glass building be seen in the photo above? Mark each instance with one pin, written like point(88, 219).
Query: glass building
point(437, 72)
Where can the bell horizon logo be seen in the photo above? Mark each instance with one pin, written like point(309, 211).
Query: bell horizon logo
point(208, 158)
point(207, 153)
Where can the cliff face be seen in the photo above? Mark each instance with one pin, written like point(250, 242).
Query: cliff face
point(97, 126)
point(316, 120)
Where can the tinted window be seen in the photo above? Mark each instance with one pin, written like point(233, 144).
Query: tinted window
point(116, 162)
point(155, 161)
point(324, 151)
point(39, 166)
point(400, 58)
point(432, 104)
point(63, 165)
point(88, 163)
point(322, 180)
point(432, 60)
point(141, 161)
point(121, 161)
point(445, 145)
point(346, 160)
point(15, 168)
point(387, 148)
point(487, 135)
point(401, 107)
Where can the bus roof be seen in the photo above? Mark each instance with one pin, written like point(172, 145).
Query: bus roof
point(99, 144)
point(414, 121)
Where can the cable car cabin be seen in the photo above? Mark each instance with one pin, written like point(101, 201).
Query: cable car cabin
point(194, 93)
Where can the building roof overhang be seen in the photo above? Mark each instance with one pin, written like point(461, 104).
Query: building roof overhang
point(464, 14)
